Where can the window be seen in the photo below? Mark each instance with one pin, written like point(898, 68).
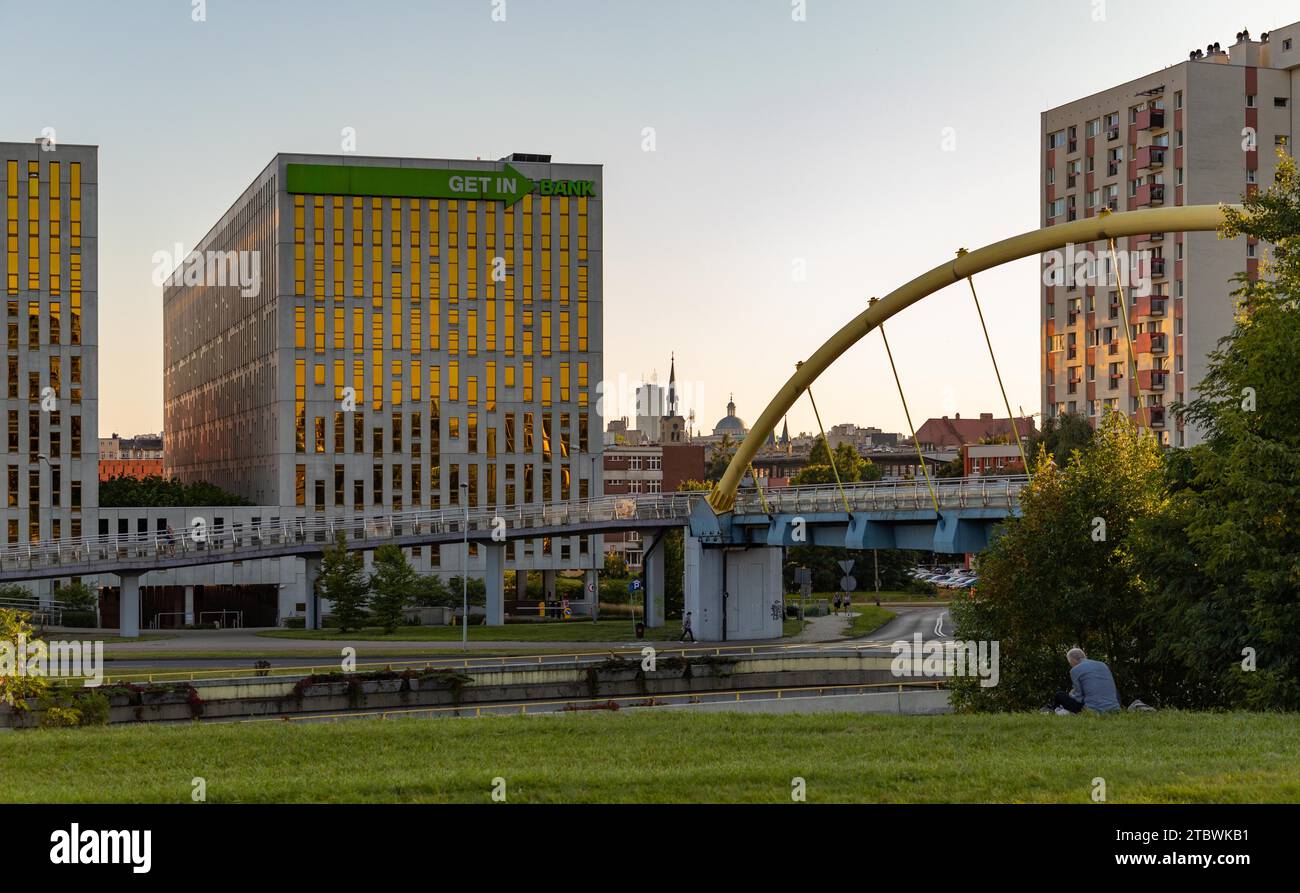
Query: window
point(1279, 102)
point(1286, 45)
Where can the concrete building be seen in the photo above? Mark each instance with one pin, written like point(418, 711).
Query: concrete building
point(129, 468)
point(1203, 131)
point(419, 332)
point(142, 446)
point(951, 434)
point(50, 275)
point(991, 459)
point(648, 469)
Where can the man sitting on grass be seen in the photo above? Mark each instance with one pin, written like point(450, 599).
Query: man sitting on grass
point(1094, 687)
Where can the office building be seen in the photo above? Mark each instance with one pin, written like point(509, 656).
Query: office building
point(396, 335)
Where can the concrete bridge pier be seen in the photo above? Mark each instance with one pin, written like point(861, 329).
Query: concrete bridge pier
point(654, 585)
point(494, 576)
point(734, 594)
point(311, 572)
point(128, 611)
point(189, 605)
point(591, 591)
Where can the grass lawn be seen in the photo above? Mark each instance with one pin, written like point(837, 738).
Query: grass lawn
point(571, 631)
point(868, 619)
point(670, 757)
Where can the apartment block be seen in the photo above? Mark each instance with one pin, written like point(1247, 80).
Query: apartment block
point(1204, 131)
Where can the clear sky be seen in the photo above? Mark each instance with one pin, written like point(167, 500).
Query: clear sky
point(778, 144)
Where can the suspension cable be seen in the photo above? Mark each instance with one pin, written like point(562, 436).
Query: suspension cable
point(919, 455)
point(1132, 361)
point(1015, 429)
point(829, 452)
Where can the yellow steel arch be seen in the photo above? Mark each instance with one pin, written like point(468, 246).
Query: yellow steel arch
point(1197, 218)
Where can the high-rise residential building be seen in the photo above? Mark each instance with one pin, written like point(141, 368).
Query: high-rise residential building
point(419, 332)
point(1200, 132)
point(50, 275)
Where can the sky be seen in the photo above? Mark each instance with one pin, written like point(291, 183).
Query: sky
point(769, 165)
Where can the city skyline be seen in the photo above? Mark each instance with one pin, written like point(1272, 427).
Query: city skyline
point(844, 219)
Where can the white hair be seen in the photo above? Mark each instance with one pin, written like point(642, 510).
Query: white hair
point(1074, 655)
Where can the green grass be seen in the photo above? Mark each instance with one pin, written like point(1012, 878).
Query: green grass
point(868, 619)
point(571, 631)
point(670, 757)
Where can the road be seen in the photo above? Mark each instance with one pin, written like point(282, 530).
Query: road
point(279, 653)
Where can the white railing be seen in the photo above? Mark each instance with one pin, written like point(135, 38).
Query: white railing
point(1002, 492)
point(244, 543)
point(229, 543)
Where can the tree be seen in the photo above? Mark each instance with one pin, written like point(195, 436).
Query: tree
point(17, 688)
point(431, 592)
point(615, 566)
point(342, 582)
point(849, 464)
point(154, 491)
point(1062, 437)
point(719, 459)
point(1228, 554)
point(14, 595)
point(954, 469)
point(1064, 574)
point(77, 596)
point(392, 586)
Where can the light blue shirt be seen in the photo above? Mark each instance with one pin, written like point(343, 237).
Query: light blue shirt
point(1095, 686)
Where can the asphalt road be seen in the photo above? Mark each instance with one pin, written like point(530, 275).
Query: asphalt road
point(931, 623)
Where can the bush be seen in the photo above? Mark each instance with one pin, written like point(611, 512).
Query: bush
point(295, 623)
point(80, 620)
point(65, 707)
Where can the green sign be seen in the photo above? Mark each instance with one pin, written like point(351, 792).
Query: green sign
point(507, 185)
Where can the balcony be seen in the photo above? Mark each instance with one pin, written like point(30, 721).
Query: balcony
point(1156, 416)
point(1151, 119)
point(1149, 195)
point(1152, 306)
point(1151, 343)
point(1152, 379)
point(1150, 157)
point(1112, 134)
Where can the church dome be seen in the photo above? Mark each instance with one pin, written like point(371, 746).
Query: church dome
point(730, 424)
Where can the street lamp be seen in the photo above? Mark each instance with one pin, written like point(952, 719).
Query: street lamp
point(464, 574)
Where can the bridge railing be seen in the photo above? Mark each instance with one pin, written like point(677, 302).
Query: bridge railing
point(1000, 492)
point(244, 543)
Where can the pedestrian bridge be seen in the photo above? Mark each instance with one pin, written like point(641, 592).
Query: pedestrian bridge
point(873, 515)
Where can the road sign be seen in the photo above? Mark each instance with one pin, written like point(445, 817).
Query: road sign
point(846, 565)
point(591, 587)
point(634, 586)
point(848, 584)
